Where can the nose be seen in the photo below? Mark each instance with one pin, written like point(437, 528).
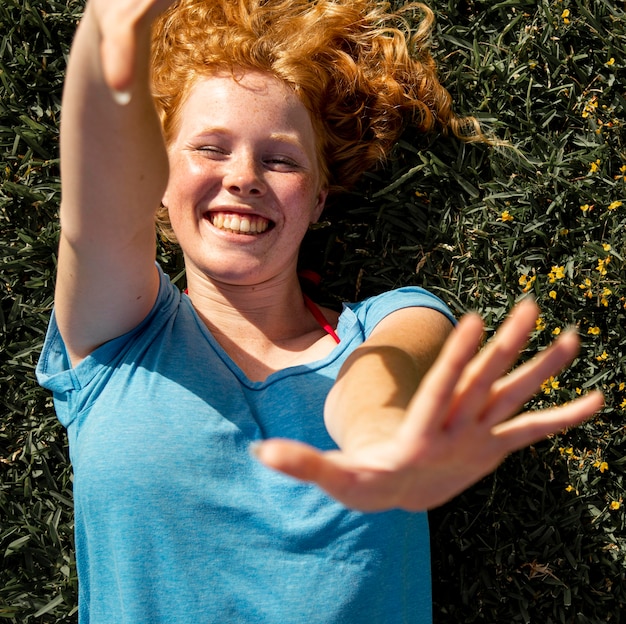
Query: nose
point(242, 176)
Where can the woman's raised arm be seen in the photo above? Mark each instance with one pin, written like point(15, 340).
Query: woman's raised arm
point(114, 172)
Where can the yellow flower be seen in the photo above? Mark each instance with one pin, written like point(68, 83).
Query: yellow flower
point(552, 294)
point(615, 505)
point(602, 262)
point(621, 386)
point(547, 386)
point(506, 216)
point(604, 356)
point(540, 324)
point(606, 246)
point(610, 62)
point(623, 404)
point(614, 205)
point(586, 208)
point(602, 466)
point(594, 331)
point(556, 331)
point(590, 107)
point(557, 273)
point(569, 488)
point(527, 282)
point(594, 167)
point(604, 298)
point(565, 15)
point(579, 390)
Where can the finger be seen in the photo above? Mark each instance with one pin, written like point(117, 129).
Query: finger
point(125, 29)
point(512, 391)
point(504, 348)
point(302, 462)
point(534, 426)
point(428, 410)
point(118, 61)
point(474, 390)
point(356, 487)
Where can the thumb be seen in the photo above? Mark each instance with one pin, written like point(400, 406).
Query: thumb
point(305, 463)
point(118, 62)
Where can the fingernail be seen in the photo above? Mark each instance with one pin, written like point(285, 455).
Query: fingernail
point(570, 329)
point(121, 97)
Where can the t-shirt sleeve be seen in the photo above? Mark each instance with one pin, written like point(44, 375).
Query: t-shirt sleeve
point(373, 310)
point(54, 369)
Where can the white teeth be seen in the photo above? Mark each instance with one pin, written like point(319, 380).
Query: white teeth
point(241, 224)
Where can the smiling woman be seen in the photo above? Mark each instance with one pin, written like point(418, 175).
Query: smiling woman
point(240, 118)
point(224, 173)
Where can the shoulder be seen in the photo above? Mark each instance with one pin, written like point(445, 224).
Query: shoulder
point(411, 320)
point(371, 311)
point(55, 362)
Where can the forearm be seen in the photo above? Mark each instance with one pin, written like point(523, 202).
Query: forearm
point(113, 159)
point(369, 400)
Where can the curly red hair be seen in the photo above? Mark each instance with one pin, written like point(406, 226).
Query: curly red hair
point(362, 72)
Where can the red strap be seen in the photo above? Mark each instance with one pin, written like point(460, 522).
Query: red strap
point(320, 318)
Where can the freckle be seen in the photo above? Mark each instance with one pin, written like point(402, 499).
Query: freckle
point(140, 297)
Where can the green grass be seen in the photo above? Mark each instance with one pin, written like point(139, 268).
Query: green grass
point(543, 539)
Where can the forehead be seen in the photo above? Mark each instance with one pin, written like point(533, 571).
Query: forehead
point(252, 100)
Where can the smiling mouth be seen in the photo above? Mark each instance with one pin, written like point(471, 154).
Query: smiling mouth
point(250, 225)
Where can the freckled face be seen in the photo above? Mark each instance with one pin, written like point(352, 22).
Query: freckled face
point(244, 180)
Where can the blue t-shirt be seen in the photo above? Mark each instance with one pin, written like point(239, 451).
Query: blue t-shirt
point(177, 523)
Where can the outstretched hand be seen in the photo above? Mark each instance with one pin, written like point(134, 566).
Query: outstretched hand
point(122, 23)
point(459, 426)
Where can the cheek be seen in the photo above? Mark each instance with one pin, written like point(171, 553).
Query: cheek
point(187, 182)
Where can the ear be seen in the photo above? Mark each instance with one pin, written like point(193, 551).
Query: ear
point(319, 206)
point(164, 199)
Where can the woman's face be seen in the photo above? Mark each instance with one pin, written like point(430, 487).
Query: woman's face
point(244, 180)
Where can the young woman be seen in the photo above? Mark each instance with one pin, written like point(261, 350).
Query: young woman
point(238, 120)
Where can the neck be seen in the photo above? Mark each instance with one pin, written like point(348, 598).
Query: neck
point(263, 328)
point(272, 310)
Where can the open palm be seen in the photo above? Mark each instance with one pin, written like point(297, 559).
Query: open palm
point(459, 426)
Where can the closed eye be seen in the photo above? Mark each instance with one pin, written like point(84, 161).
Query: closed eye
point(213, 151)
point(281, 163)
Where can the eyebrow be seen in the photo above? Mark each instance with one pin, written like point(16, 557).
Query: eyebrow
point(286, 137)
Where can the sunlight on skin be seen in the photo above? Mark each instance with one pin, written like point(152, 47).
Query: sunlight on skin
point(458, 426)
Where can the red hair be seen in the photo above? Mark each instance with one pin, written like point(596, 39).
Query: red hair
point(362, 72)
